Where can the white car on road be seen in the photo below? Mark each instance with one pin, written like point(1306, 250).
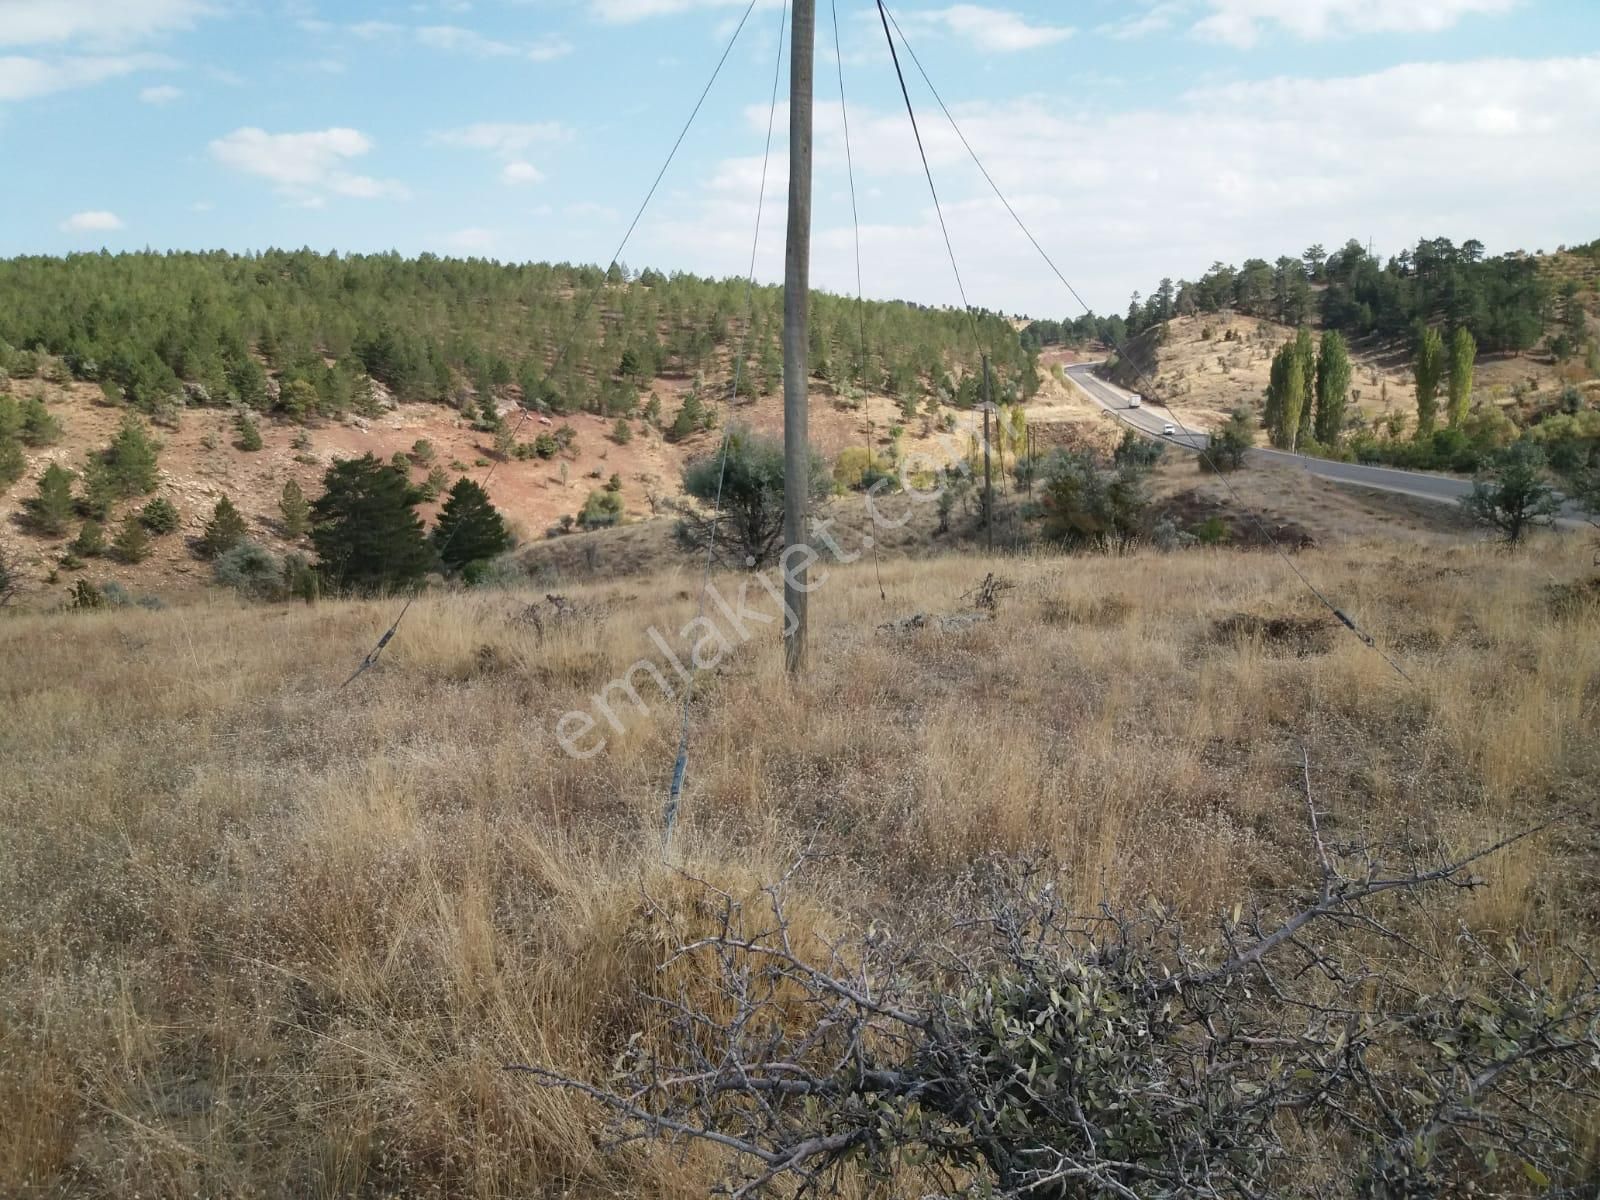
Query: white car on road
point(1167, 430)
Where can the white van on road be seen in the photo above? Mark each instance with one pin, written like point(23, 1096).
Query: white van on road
point(1134, 401)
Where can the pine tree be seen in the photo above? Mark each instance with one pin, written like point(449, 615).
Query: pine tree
point(1429, 372)
point(1463, 355)
point(1333, 386)
point(51, 509)
point(12, 461)
point(100, 487)
point(224, 531)
point(132, 543)
point(91, 540)
point(469, 528)
point(295, 509)
point(39, 425)
point(249, 432)
point(367, 536)
point(132, 458)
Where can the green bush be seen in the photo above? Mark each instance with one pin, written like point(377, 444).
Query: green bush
point(602, 509)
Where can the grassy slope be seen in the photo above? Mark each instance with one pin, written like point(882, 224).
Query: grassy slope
point(259, 936)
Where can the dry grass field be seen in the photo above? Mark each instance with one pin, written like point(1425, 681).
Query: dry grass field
point(263, 937)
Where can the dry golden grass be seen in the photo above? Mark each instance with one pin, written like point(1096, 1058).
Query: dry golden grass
point(263, 937)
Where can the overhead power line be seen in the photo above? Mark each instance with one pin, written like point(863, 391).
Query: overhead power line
point(371, 660)
point(680, 765)
point(1149, 384)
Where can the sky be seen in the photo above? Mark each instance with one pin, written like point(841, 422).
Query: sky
point(1136, 138)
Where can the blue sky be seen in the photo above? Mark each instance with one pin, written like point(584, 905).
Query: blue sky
point(1138, 137)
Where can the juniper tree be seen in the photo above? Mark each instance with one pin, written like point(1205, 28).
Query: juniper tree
point(367, 534)
point(1511, 496)
point(159, 516)
point(469, 529)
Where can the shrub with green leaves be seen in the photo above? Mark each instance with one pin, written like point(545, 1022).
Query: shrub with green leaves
point(601, 510)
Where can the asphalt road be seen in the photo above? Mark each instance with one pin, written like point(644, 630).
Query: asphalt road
point(1153, 418)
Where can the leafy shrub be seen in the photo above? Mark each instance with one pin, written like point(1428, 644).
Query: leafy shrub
point(602, 509)
point(858, 468)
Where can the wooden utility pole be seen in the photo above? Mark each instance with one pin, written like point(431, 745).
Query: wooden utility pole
point(988, 478)
point(796, 313)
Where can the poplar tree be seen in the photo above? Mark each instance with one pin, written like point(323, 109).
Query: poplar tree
point(1429, 372)
point(1463, 355)
point(1333, 386)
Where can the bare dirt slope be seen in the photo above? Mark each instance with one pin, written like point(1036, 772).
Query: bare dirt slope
point(200, 461)
point(1207, 366)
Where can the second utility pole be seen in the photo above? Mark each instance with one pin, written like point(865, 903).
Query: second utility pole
point(796, 312)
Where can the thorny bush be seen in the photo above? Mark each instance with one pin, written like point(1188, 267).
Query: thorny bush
point(1032, 1051)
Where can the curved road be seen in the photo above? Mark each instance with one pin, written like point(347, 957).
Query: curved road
point(1151, 418)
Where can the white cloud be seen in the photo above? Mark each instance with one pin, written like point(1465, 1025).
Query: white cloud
point(1159, 18)
point(93, 221)
point(1241, 22)
point(455, 39)
point(991, 29)
point(97, 22)
point(163, 93)
point(304, 167)
point(521, 172)
point(622, 11)
point(23, 78)
point(1120, 201)
point(508, 141)
point(84, 42)
point(505, 138)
